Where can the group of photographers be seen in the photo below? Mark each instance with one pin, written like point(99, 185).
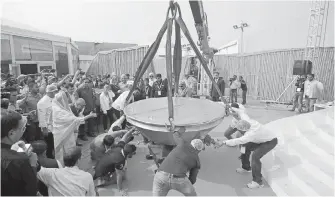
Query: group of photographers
point(308, 88)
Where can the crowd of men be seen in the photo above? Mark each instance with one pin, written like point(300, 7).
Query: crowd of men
point(234, 85)
point(45, 119)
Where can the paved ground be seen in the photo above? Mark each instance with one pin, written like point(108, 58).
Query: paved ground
point(217, 176)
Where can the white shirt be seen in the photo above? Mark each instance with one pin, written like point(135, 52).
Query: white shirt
point(44, 111)
point(244, 116)
point(118, 123)
point(106, 102)
point(119, 103)
point(235, 84)
point(67, 181)
point(151, 82)
point(258, 136)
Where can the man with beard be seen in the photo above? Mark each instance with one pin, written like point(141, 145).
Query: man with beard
point(184, 91)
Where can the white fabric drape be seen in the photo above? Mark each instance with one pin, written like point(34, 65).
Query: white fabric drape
point(65, 123)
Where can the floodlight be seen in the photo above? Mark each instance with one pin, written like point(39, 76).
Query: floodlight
point(244, 25)
point(235, 27)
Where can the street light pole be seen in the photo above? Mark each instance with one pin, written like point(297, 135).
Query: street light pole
point(242, 26)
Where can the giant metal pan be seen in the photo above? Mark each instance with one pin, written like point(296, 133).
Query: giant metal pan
point(198, 116)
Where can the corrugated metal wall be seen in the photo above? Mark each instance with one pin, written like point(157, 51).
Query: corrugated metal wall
point(120, 61)
point(267, 74)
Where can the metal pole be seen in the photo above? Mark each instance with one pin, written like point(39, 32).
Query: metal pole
point(242, 51)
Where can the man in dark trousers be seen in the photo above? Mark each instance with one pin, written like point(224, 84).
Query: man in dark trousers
point(158, 88)
point(218, 80)
point(77, 109)
point(85, 91)
point(299, 93)
point(244, 90)
point(40, 148)
point(147, 89)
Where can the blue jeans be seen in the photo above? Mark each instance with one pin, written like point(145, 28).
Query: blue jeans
point(164, 182)
point(233, 95)
point(259, 150)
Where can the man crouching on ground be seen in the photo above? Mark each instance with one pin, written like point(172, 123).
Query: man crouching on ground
point(105, 142)
point(112, 166)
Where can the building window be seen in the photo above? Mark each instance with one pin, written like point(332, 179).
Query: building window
point(30, 49)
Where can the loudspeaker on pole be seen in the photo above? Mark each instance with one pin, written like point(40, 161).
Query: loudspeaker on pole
point(302, 67)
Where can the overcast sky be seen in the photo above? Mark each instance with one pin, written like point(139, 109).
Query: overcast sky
point(139, 21)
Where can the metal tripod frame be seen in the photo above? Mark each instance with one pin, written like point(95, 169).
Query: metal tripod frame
point(173, 9)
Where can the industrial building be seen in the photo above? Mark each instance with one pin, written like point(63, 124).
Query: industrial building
point(26, 51)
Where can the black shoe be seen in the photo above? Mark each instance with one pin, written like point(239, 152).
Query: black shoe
point(83, 138)
point(91, 134)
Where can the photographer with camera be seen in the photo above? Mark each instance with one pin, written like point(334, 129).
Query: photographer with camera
point(234, 85)
point(18, 168)
point(298, 96)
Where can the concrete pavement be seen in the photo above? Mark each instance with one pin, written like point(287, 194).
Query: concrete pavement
point(217, 176)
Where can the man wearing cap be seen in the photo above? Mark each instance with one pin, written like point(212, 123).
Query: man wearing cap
point(260, 141)
point(220, 82)
point(172, 172)
point(44, 113)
